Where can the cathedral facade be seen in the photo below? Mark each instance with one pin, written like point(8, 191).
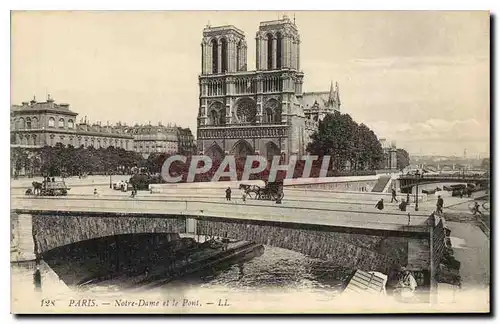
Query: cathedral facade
point(257, 112)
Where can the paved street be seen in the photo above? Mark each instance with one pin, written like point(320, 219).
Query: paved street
point(320, 206)
point(472, 248)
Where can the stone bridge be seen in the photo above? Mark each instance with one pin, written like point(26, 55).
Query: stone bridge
point(409, 181)
point(351, 238)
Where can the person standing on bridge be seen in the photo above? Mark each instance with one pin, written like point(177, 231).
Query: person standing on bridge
point(439, 206)
point(469, 191)
point(402, 205)
point(228, 194)
point(380, 204)
point(394, 197)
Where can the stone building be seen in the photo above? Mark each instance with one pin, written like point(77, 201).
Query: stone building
point(390, 154)
point(36, 124)
point(256, 112)
point(160, 139)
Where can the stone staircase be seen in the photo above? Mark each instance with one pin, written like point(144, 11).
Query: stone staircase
point(22, 245)
point(381, 183)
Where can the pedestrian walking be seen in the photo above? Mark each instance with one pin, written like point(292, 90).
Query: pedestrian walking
point(475, 209)
point(380, 204)
point(394, 197)
point(244, 197)
point(37, 278)
point(439, 206)
point(228, 194)
point(408, 219)
point(95, 192)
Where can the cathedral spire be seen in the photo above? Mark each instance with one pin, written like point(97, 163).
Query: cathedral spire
point(337, 94)
point(331, 95)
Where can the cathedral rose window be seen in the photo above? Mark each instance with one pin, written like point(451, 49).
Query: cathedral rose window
point(246, 111)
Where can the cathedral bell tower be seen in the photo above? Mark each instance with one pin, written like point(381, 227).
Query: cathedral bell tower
point(224, 50)
point(278, 45)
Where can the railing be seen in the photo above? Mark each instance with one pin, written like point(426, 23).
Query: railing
point(442, 176)
point(253, 131)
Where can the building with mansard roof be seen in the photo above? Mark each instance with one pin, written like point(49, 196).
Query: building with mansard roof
point(161, 139)
point(37, 124)
point(257, 112)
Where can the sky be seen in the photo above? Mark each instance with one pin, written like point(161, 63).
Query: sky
point(420, 79)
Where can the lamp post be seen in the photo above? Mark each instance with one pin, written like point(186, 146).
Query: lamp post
point(110, 182)
point(417, 175)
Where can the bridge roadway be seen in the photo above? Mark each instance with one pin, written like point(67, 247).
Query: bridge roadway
point(320, 210)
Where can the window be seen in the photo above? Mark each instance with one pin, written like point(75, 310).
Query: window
point(213, 117)
point(269, 52)
point(278, 50)
point(70, 123)
point(224, 55)
point(61, 123)
point(21, 123)
point(238, 53)
point(269, 115)
point(52, 122)
point(222, 118)
point(215, 56)
point(28, 123)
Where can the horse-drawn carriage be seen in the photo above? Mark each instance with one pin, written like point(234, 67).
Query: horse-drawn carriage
point(272, 191)
point(48, 188)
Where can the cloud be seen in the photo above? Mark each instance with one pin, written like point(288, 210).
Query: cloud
point(418, 62)
point(433, 129)
point(446, 136)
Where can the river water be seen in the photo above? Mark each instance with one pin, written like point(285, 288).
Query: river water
point(271, 278)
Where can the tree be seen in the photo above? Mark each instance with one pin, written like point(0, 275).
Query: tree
point(60, 160)
point(403, 159)
point(347, 143)
point(18, 157)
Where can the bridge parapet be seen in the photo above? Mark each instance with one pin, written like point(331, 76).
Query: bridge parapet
point(301, 213)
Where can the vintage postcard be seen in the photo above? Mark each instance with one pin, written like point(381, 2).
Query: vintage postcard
point(223, 162)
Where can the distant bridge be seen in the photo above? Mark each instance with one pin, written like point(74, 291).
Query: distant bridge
point(409, 181)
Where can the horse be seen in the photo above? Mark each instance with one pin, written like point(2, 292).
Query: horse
point(37, 187)
point(248, 190)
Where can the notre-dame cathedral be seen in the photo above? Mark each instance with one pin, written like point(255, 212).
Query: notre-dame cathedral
point(257, 112)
